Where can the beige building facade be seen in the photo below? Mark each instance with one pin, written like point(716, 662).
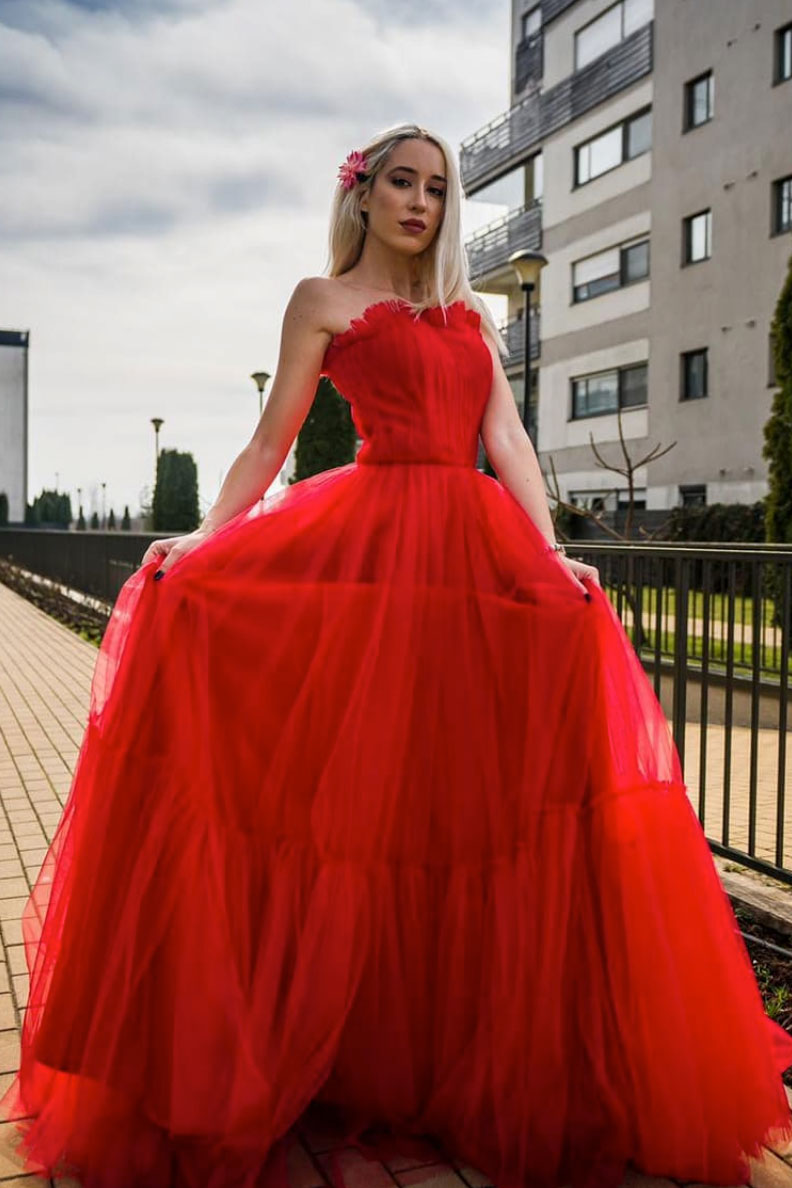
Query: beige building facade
point(647, 155)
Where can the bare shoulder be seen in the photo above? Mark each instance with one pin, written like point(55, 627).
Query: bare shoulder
point(308, 305)
point(322, 303)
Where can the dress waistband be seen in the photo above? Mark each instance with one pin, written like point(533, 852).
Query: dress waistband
point(415, 462)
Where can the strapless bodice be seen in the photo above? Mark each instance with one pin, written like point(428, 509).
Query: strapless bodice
point(417, 385)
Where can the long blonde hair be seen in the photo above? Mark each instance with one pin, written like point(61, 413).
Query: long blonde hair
point(442, 267)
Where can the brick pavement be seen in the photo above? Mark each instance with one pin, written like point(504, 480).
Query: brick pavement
point(45, 675)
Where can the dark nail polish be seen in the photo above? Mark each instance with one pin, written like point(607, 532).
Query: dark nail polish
point(587, 596)
point(159, 574)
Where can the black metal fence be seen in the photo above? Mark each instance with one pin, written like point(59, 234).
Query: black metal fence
point(96, 563)
point(710, 624)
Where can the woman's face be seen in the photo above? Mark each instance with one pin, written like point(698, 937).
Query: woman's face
point(410, 187)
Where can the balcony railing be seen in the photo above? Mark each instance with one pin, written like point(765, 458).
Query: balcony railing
point(489, 249)
point(513, 331)
point(498, 147)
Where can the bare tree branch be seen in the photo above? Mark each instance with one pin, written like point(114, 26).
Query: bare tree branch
point(626, 471)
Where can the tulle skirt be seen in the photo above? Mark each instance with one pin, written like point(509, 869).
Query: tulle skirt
point(375, 808)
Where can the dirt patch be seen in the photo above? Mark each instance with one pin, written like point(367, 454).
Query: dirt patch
point(87, 617)
point(771, 958)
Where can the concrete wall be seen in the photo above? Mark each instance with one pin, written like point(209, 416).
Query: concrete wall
point(13, 429)
point(725, 303)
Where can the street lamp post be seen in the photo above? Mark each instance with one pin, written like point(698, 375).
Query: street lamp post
point(528, 265)
point(104, 518)
point(157, 422)
point(260, 380)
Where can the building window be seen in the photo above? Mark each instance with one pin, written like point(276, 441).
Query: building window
point(632, 386)
point(783, 54)
point(613, 147)
point(782, 205)
point(532, 22)
point(609, 270)
point(610, 28)
point(595, 501)
point(638, 135)
point(697, 237)
point(608, 391)
point(635, 262)
point(698, 101)
point(693, 495)
point(694, 375)
point(639, 499)
point(534, 178)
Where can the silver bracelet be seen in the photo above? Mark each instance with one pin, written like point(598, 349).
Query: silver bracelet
point(556, 548)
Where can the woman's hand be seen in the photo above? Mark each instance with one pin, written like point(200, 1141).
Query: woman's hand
point(168, 550)
point(581, 571)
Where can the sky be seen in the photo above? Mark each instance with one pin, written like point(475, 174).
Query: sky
point(167, 169)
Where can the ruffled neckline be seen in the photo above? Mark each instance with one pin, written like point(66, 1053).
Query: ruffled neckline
point(379, 311)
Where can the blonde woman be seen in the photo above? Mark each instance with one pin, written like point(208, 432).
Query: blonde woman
point(376, 811)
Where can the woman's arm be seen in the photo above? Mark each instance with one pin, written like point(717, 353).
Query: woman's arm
point(302, 348)
point(510, 449)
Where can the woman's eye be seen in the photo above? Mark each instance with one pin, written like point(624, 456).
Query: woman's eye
point(434, 189)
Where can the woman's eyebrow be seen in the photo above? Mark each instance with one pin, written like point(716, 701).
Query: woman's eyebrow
point(409, 169)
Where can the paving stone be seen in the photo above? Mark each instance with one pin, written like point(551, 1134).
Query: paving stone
point(473, 1177)
point(302, 1170)
point(21, 984)
point(770, 1172)
point(12, 1163)
point(9, 1051)
point(405, 1163)
point(27, 830)
point(358, 1172)
point(11, 909)
point(16, 959)
point(7, 1013)
point(34, 1182)
point(438, 1175)
point(6, 1080)
point(12, 931)
point(636, 1179)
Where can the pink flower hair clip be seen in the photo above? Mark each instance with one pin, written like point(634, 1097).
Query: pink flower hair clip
point(348, 173)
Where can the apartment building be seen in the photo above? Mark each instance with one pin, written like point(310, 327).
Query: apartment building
point(14, 421)
point(647, 155)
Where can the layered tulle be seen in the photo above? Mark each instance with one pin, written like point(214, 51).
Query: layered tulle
point(375, 808)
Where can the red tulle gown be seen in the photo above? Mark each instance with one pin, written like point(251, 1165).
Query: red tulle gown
point(375, 808)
